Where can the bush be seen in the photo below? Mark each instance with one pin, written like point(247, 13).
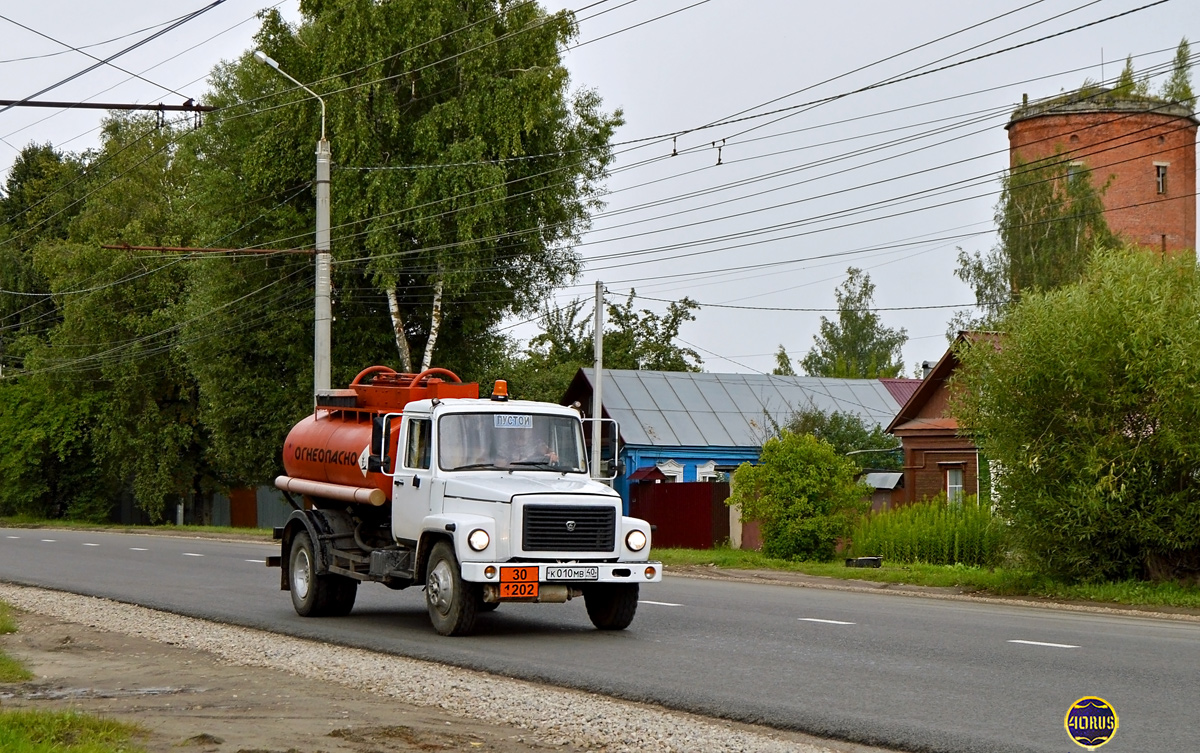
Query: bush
point(932, 532)
point(1089, 409)
point(803, 494)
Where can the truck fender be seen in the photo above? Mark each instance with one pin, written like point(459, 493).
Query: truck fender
point(321, 526)
point(458, 526)
point(299, 520)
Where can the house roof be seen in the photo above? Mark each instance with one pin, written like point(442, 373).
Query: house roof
point(699, 409)
point(937, 376)
point(881, 480)
point(649, 473)
point(901, 389)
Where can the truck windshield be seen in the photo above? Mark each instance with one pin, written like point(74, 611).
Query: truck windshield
point(511, 441)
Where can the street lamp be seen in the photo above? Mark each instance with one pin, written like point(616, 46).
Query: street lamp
point(323, 313)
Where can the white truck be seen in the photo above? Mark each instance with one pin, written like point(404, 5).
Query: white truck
point(481, 501)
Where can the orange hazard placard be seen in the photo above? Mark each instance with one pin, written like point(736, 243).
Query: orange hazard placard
point(519, 582)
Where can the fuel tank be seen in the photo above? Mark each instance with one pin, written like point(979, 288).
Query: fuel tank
point(334, 443)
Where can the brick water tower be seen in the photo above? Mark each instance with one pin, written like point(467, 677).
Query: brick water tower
point(1144, 149)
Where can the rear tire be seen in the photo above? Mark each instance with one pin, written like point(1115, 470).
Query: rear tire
point(611, 607)
point(316, 595)
point(452, 602)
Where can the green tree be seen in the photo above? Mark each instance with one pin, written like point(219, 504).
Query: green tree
point(857, 345)
point(1049, 218)
point(1126, 85)
point(783, 363)
point(37, 203)
point(849, 433)
point(465, 170)
point(633, 339)
point(803, 493)
point(1088, 406)
point(1178, 87)
point(114, 352)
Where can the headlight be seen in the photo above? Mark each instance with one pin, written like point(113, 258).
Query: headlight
point(635, 540)
point(479, 539)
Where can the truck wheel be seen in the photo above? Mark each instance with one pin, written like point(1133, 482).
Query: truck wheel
point(611, 607)
point(316, 595)
point(453, 603)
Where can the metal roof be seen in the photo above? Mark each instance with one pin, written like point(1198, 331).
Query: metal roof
point(676, 408)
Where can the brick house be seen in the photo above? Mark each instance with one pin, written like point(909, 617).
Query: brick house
point(936, 459)
point(1143, 148)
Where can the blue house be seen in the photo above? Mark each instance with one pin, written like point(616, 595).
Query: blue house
point(696, 426)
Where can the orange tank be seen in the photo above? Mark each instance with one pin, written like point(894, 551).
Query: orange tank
point(331, 445)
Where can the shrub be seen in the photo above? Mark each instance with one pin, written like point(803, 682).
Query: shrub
point(803, 494)
point(932, 532)
point(1089, 406)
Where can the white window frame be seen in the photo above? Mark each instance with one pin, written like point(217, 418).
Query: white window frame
point(671, 470)
point(1160, 177)
point(954, 492)
point(708, 472)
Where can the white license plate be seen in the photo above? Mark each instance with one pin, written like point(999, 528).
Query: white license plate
point(572, 572)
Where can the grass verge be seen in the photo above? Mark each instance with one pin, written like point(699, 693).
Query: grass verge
point(11, 670)
point(21, 521)
point(63, 732)
point(997, 581)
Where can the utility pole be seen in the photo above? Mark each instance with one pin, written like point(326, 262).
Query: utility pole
point(597, 381)
point(323, 309)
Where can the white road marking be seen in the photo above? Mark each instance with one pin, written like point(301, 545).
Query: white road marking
point(659, 603)
point(138, 549)
point(827, 622)
point(192, 554)
point(14, 537)
point(87, 544)
point(49, 541)
point(260, 562)
point(1040, 643)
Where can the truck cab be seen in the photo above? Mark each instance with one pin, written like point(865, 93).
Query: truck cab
point(490, 501)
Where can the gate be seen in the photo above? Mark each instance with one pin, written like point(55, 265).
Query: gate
point(691, 515)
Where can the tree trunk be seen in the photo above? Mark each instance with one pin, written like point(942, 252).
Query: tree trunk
point(435, 324)
point(398, 328)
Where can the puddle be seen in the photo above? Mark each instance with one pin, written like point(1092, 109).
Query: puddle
point(42, 693)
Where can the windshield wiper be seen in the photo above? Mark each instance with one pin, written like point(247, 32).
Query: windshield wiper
point(546, 465)
point(470, 466)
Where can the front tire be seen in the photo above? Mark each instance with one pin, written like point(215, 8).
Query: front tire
point(452, 602)
point(316, 595)
point(611, 607)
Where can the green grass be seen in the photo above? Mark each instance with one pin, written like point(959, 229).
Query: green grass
point(996, 581)
point(23, 521)
point(11, 670)
point(933, 532)
point(63, 732)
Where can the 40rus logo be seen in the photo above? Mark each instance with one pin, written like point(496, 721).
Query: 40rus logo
point(1091, 722)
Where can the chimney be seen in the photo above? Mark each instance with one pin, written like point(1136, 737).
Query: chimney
point(926, 367)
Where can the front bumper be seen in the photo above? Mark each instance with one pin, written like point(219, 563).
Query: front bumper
point(607, 572)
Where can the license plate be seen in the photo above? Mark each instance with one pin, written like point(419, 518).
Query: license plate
point(519, 582)
point(572, 572)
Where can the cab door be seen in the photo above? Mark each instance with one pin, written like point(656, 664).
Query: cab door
point(413, 484)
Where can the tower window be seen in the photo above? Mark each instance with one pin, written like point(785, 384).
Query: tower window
point(1160, 177)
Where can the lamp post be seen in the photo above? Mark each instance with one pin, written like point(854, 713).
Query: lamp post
point(323, 313)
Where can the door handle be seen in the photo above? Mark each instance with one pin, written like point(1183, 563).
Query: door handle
point(416, 482)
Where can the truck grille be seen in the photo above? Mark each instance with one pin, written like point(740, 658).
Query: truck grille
point(550, 528)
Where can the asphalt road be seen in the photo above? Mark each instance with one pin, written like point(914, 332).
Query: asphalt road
point(901, 672)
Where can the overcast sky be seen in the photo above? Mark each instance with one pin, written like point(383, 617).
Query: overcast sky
point(892, 180)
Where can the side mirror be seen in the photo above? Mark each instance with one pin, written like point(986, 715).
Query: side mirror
point(381, 432)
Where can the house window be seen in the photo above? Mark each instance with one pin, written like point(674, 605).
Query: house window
point(1160, 173)
point(708, 472)
point(954, 485)
point(672, 470)
point(1074, 170)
